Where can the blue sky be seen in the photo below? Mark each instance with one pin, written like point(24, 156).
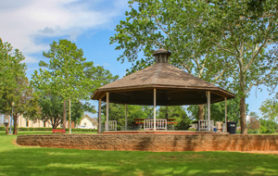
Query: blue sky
point(31, 25)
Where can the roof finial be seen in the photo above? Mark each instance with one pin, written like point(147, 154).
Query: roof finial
point(161, 55)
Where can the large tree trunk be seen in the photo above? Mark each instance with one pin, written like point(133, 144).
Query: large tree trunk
point(69, 116)
point(64, 115)
point(242, 106)
point(15, 123)
point(7, 129)
point(201, 112)
point(55, 122)
point(243, 116)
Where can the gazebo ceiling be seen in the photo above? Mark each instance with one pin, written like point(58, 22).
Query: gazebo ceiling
point(174, 86)
point(164, 96)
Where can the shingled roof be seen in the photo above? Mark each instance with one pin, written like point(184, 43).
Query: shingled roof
point(174, 87)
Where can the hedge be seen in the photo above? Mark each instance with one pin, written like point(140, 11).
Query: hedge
point(50, 129)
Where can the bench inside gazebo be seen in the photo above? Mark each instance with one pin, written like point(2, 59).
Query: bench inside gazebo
point(161, 84)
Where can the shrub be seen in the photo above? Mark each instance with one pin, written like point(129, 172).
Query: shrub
point(268, 126)
point(50, 129)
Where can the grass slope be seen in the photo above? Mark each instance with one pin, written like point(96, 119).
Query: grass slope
point(33, 161)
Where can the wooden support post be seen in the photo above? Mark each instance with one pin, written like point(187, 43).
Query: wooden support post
point(154, 109)
point(99, 117)
point(226, 118)
point(125, 116)
point(107, 112)
point(208, 101)
point(69, 116)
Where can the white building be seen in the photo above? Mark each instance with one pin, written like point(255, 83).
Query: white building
point(26, 123)
point(1, 119)
point(88, 123)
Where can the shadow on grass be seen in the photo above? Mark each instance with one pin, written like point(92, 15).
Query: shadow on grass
point(50, 161)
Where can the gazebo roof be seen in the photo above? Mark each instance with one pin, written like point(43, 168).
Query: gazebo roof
point(174, 87)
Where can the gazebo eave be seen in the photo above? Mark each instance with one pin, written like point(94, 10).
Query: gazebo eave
point(219, 94)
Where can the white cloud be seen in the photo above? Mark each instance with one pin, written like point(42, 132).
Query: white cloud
point(30, 59)
point(22, 24)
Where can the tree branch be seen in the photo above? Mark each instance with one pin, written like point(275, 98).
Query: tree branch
point(258, 50)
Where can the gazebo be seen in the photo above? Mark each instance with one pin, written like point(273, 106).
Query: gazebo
point(160, 84)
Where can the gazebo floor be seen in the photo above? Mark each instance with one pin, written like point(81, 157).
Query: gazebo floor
point(160, 132)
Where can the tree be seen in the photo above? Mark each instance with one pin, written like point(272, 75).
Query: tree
point(243, 31)
point(52, 108)
point(254, 123)
point(117, 112)
point(68, 74)
point(268, 126)
point(269, 109)
point(15, 93)
point(179, 26)
point(219, 41)
point(175, 112)
point(218, 111)
point(78, 110)
point(67, 66)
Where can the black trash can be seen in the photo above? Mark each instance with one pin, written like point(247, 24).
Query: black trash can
point(231, 127)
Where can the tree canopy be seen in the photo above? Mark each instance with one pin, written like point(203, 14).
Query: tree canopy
point(16, 96)
point(269, 109)
point(224, 42)
point(68, 75)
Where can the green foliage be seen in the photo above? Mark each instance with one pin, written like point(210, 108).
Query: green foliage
point(218, 110)
point(13, 80)
point(78, 110)
point(72, 76)
point(65, 71)
point(117, 112)
point(15, 92)
point(179, 26)
point(254, 125)
point(268, 126)
point(269, 109)
point(244, 34)
point(52, 108)
point(68, 76)
point(49, 129)
point(220, 41)
point(175, 112)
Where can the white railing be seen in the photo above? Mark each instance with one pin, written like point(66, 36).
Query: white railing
point(112, 125)
point(161, 124)
point(205, 125)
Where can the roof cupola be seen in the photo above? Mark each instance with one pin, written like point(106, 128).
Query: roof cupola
point(161, 55)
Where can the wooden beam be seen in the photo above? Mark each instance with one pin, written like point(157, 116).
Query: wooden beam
point(125, 116)
point(208, 101)
point(154, 109)
point(226, 117)
point(99, 116)
point(107, 112)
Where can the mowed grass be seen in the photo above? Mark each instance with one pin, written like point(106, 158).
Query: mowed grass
point(32, 161)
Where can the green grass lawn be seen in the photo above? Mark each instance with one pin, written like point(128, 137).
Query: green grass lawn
point(33, 161)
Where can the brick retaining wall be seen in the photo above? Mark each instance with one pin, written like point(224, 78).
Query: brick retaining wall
point(155, 142)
